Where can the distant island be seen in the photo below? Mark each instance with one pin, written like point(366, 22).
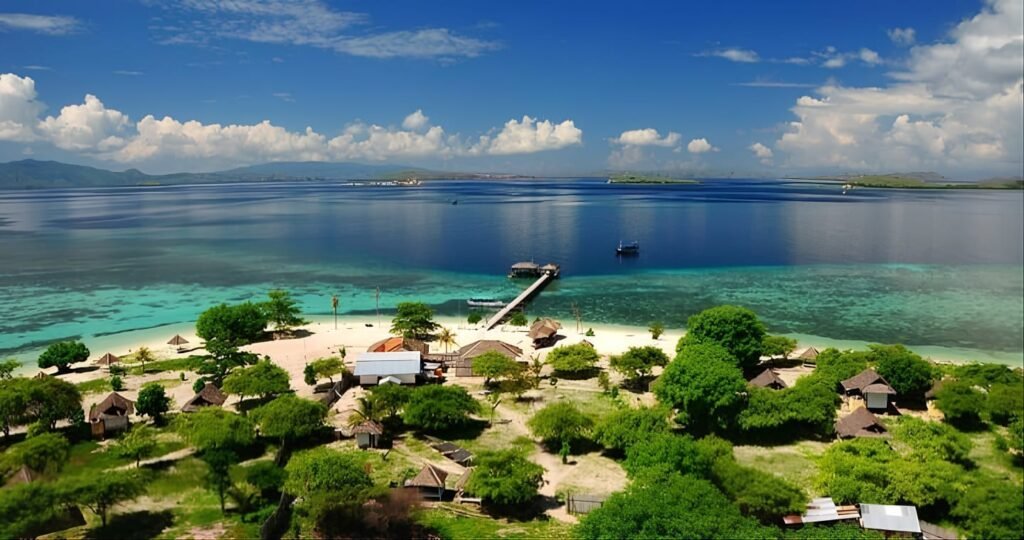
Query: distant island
point(647, 179)
point(927, 180)
point(34, 174)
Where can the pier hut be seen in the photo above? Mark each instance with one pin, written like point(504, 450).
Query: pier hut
point(524, 269)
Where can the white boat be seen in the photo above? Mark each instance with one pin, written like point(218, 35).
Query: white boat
point(485, 302)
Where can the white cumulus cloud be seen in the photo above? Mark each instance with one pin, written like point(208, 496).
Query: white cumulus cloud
point(87, 126)
point(528, 136)
point(19, 109)
point(958, 104)
point(700, 146)
point(416, 120)
point(647, 137)
point(762, 152)
point(902, 36)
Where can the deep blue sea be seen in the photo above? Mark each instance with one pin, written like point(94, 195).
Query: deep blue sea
point(927, 268)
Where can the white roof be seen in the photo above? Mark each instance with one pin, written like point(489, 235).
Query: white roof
point(888, 517)
point(388, 363)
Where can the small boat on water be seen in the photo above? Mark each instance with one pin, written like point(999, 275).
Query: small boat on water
point(485, 302)
point(632, 248)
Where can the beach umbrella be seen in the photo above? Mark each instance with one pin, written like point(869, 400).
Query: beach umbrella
point(108, 360)
point(177, 341)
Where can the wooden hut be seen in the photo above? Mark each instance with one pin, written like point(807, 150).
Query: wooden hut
point(399, 344)
point(466, 355)
point(110, 415)
point(524, 269)
point(368, 434)
point(860, 423)
point(430, 482)
point(872, 387)
point(209, 396)
point(543, 332)
point(809, 357)
point(107, 360)
point(178, 342)
point(768, 379)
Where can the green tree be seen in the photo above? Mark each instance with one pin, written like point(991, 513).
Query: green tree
point(15, 396)
point(504, 478)
point(1005, 402)
point(136, 444)
point(447, 338)
point(663, 453)
point(283, 311)
point(494, 365)
point(101, 490)
point(757, 493)
point(390, 399)
point(144, 355)
point(330, 484)
point(289, 418)
point(474, 317)
point(267, 477)
point(835, 366)
point(309, 375)
point(839, 531)
point(1016, 438)
point(153, 401)
point(627, 426)
point(27, 509)
point(52, 400)
point(414, 320)
point(438, 408)
point(217, 435)
point(573, 360)
point(223, 358)
point(637, 363)
point(62, 354)
point(656, 329)
point(704, 385)
point(991, 508)
point(909, 374)
point(986, 375)
point(931, 440)
point(777, 346)
point(560, 424)
point(45, 453)
point(235, 325)
point(7, 368)
point(806, 409)
point(961, 404)
point(518, 319)
point(116, 383)
point(735, 328)
point(672, 506)
point(262, 379)
point(328, 367)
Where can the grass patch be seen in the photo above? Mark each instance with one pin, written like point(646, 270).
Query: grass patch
point(188, 363)
point(985, 454)
point(94, 386)
point(90, 456)
point(797, 462)
point(452, 526)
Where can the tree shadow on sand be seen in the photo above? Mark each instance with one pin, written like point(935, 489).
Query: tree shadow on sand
point(143, 525)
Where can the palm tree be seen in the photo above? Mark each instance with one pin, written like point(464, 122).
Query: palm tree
point(364, 411)
point(334, 307)
point(447, 338)
point(144, 355)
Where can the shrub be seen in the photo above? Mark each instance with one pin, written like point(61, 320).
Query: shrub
point(438, 408)
point(628, 426)
point(116, 384)
point(909, 374)
point(961, 404)
point(704, 385)
point(576, 359)
point(474, 317)
point(504, 478)
point(656, 329)
point(735, 328)
point(560, 424)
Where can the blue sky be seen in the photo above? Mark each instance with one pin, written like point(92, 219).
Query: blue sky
point(751, 87)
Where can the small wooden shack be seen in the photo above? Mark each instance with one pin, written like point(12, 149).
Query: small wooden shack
point(809, 357)
point(544, 332)
point(209, 396)
point(768, 379)
point(860, 423)
point(466, 355)
point(872, 387)
point(430, 482)
point(110, 415)
point(368, 434)
point(524, 269)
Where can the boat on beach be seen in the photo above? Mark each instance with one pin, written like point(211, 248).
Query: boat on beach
point(632, 248)
point(485, 302)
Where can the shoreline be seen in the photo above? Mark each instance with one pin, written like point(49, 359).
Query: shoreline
point(609, 338)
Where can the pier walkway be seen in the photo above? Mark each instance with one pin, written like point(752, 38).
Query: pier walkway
point(546, 274)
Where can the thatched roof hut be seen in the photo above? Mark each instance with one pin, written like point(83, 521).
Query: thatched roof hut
point(209, 396)
point(113, 405)
point(810, 354)
point(429, 477)
point(369, 427)
point(860, 381)
point(107, 360)
point(768, 379)
point(860, 423)
point(466, 355)
point(398, 344)
point(177, 341)
point(544, 329)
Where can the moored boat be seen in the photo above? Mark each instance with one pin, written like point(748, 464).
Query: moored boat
point(632, 248)
point(485, 302)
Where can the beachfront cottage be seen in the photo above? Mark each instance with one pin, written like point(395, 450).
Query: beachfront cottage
point(110, 415)
point(388, 367)
point(768, 379)
point(872, 387)
point(398, 344)
point(890, 519)
point(430, 482)
point(466, 355)
point(209, 396)
point(368, 434)
point(860, 423)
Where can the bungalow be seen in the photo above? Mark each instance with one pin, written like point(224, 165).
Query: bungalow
point(430, 481)
point(209, 396)
point(872, 387)
point(110, 415)
point(368, 434)
point(768, 379)
point(468, 353)
point(890, 518)
point(388, 367)
point(809, 357)
point(544, 332)
point(860, 423)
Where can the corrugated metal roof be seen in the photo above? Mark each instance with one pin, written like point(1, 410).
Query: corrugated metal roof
point(888, 517)
point(390, 363)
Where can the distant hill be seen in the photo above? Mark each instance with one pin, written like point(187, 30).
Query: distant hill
point(34, 174)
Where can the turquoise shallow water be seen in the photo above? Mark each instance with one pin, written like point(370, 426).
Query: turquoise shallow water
point(938, 271)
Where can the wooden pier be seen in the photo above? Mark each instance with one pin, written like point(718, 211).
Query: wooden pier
point(544, 275)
